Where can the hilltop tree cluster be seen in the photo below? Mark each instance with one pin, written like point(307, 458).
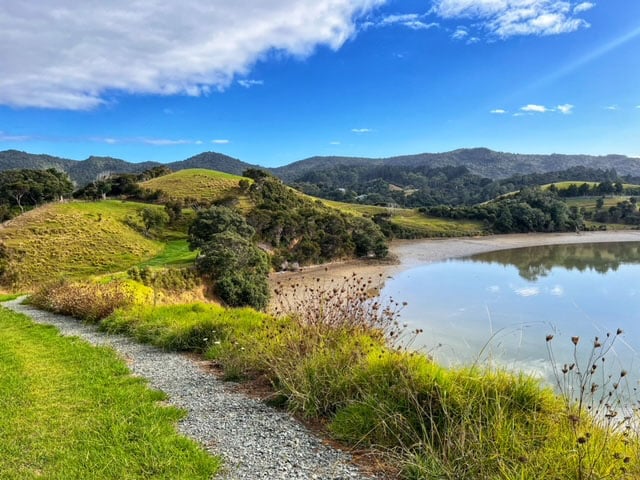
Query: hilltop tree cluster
point(24, 189)
point(122, 185)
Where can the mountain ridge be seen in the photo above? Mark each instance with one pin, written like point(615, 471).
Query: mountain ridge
point(481, 161)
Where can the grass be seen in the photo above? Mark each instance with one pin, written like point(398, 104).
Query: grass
point(332, 355)
point(424, 225)
point(175, 253)
point(76, 239)
point(589, 203)
point(565, 185)
point(198, 183)
point(69, 410)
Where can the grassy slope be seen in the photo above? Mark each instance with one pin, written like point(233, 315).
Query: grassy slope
point(76, 239)
point(69, 410)
point(427, 226)
point(197, 183)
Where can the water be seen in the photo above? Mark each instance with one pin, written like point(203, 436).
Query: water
point(499, 307)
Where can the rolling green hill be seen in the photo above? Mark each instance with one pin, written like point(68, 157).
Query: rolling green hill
point(77, 239)
point(200, 183)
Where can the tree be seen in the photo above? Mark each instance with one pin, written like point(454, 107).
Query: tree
point(153, 218)
point(216, 220)
point(237, 269)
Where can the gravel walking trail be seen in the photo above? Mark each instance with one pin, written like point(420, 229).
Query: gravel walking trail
point(255, 440)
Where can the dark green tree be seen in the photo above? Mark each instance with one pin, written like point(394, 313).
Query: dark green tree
point(216, 220)
point(237, 269)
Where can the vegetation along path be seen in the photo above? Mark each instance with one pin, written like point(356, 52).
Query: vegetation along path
point(256, 441)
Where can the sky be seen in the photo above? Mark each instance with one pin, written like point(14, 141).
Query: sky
point(275, 81)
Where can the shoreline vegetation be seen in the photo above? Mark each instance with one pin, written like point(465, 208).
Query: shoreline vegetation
point(334, 355)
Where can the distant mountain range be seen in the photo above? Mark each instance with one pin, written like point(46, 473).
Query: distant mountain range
point(480, 161)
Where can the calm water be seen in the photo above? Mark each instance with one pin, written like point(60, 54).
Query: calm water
point(500, 306)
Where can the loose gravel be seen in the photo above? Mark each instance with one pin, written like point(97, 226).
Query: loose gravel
point(255, 440)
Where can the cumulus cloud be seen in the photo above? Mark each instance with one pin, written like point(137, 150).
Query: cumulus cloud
point(532, 108)
point(498, 111)
point(361, 130)
point(76, 55)
point(583, 7)
point(565, 109)
point(221, 141)
point(507, 18)
point(246, 83)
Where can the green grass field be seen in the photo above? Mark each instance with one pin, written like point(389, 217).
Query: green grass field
point(175, 253)
point(424, 225)
point(77, 239)
point(69, 410)
point(197, 183)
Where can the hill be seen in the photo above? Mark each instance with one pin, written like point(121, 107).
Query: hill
point(213, 161)
point(77, 239)
point(83, 172)
point(480, 161)
point(199, 183)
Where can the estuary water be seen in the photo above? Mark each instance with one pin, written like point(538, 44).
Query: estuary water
point(499, 307)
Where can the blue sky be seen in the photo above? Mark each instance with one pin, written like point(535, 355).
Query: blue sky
point(274, 81)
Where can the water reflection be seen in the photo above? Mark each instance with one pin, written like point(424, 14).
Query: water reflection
point(499, 307)
point(535, 262)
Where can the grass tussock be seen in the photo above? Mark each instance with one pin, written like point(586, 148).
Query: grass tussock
point(71, 410)
point(88, 301)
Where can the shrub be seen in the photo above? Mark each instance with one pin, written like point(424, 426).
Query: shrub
point(87, 301)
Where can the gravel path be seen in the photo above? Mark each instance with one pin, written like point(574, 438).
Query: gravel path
point(256, 441)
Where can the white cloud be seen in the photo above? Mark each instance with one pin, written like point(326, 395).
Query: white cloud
point(532, 108)
point(566, 109)
point(527, 291)
point(74, 55)
point(613, 108)
point(5, 137)
point(583, 7)
point(557, 291)
point(246, 83)
point(163, 142)
point(498, 111)
point(507, 18)
point(361, 130)
point(334, 143)
point(414, 21)
point(460, 33)
point(221, 141)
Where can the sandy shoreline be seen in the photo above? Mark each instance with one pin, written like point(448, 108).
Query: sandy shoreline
point(411, 253)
